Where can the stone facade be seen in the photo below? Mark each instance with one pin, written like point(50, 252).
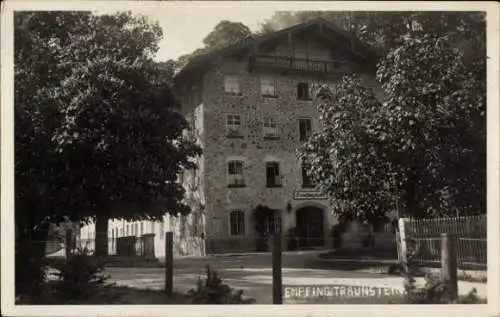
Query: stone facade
point(212, 105)
point(216, 205)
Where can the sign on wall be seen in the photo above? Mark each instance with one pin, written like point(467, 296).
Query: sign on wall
point(309, 195)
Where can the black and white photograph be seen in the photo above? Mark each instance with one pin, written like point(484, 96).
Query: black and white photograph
point(253, 153)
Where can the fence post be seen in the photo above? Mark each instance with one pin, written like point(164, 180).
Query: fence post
point(68, 245)
point(169, 262)
point(277, 277)
point(402, 238)
point(449, 263)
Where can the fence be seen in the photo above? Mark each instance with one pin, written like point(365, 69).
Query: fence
point(469, 232)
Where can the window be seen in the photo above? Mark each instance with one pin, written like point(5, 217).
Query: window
point(305, 128)
point(235, 174)
point(136, 228)
point(270, 128)
point(273, 222)
point(306, 179)
point(236, 223)
point(268, 87)
point(232, 85)
point(303, 91)
point(273, 177)
point(142, 228)
point(233, 125)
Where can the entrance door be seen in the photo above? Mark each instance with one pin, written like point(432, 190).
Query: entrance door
point(310, 229)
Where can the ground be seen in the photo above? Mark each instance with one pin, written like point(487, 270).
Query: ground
point(253, 274)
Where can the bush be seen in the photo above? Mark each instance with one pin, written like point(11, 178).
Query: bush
point(80, 278)
point(30, 271)
point(292, 240)
point(213, 291)
point(336, 232)
point(435, 291)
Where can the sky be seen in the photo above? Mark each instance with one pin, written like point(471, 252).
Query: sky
point(185, 28)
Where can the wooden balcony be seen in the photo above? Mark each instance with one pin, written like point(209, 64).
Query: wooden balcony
point(287, 64)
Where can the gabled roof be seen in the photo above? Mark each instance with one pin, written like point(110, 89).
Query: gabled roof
point(204, 60)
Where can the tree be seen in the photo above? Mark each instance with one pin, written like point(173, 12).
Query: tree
point(226, 33)
point(345, 157)
point(386, 30)
point(105, 127)
point(424, 145)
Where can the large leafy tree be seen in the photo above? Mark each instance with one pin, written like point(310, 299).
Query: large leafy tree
point(98, 132)
point(224, 34)
point(424, 146)
point(386, 30)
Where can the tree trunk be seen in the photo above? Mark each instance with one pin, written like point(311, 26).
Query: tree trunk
point(101, 234)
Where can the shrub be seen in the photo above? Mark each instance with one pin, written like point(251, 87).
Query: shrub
point(30, 271)
point(292, 239)
point(435, 290)
point(80, 278)
point(336, 232)
point(214, 291)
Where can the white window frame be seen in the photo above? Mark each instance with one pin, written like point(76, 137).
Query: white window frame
point(236, 178)
point(240, 226)
point(267, 87)
point(231, 125)
point(270, 127)
point(232, 84)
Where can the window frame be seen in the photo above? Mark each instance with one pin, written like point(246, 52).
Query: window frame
point(307, 97)
point(306, 137)
point(303, 168)
point(230, 131)
point(231, 177)
point(271, 83)
point(240, 227)
point(267, 123)
point(277, 175)
point(231, 82)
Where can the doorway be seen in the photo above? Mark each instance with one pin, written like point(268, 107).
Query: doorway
point(310, 227)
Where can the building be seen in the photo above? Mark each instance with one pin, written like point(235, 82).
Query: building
point(250, 106)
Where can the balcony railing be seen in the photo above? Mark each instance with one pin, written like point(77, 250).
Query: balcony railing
point(298, 64)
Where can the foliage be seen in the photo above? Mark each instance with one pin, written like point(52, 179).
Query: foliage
point(346, 160)
point(30, 271)
point(336, 232)
point(292, 239)
point(224, 33)
point(213, 291)
point(387, 30)
point(424, 145)
point(261, 216)
point(80, 277)
point(98, 131)
point(435, 290)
